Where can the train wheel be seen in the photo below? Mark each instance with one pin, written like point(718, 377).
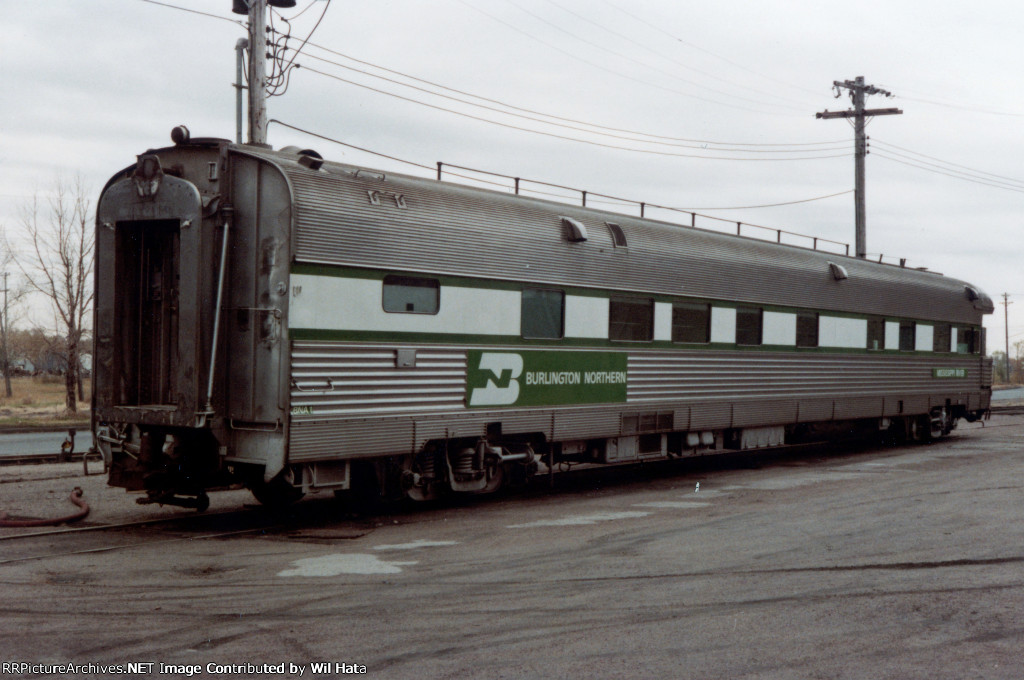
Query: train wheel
point(938, 423)
point(375, 487)
point(917, 429)
point(278, 492)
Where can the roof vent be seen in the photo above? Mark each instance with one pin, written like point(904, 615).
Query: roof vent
point(838, 271)
point(307, 157)
point(618, 236)
point(575, 232)
point(311, 162)
point(180, 135)
point(972, 293)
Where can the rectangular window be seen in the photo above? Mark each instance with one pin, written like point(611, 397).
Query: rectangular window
point(631, 319)
point(807, 329)
point(748, 325)
point(876, 333)
point(941, 338)
point(543, 313)
point(907, 336)
point(968, 340)
point(410, 295)
point(691, 322)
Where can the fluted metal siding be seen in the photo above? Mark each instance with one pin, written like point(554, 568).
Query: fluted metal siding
point(333, 379)
point(376, 408)
point(351, 438)
point(728, 375)
point(451, 229)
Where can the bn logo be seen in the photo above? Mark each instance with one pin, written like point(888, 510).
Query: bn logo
point(501, 370)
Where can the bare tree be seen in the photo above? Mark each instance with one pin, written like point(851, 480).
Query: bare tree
point(60, 265)
point(1018, 363)
point(8, 302)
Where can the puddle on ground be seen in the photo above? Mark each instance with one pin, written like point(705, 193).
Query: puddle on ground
point(677, 505)
point(782, 483)
point(418, 543)
point(578, 520)
point(337, 564)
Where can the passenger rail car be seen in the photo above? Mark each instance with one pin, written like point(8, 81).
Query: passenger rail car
point(293, 324)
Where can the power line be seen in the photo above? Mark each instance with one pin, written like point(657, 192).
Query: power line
point(1011, 180)
point(676, 38)
point(608, 70)
point(962, 107)
point(285, 69)
point(647, 48)
point(346, 144)
point(193, 11)
point(558, 136)
point(512, 106)
point(948, 174)
point(614, 198)
point(619, 55)
point(553, 116)
point(534, 118)
point(775, 205)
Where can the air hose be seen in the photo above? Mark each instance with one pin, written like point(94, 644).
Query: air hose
point(76, 498)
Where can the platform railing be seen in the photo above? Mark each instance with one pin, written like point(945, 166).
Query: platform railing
point(643, 206)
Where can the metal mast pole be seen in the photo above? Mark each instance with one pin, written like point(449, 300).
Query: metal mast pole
point(857, 90)
point(240, 47)
point(257, 72)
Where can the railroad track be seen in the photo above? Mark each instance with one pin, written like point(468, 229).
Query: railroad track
point(81, 540)
point(40, 458)
point(44, 547)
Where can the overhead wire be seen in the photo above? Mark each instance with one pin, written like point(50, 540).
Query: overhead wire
point(902, 155)
point(282, 66)
point(691, 45)
point(620, 55)
point(298, 51)
point(922, 165)
point(559, 136)
point(504, 104)
point(612, 71)
point(619, 200)
point(776, 205)
point(675, 62)
point(534, 118)
point(237, 22)
point(962, 107)
point(562, 118)
point(1011, 180)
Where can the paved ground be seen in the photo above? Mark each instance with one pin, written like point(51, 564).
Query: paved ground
point(877, 563)
point(48, 441)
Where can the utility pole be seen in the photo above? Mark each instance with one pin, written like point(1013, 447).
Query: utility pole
point(1006, 323)
point(857, 90)
point(3, 344)
point(257, 71)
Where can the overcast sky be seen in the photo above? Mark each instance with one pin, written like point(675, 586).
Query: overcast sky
point(705, 106)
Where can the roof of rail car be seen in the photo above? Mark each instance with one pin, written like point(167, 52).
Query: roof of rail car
point(448, 228)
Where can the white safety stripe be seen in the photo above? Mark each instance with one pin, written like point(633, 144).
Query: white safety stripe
point(336, 303)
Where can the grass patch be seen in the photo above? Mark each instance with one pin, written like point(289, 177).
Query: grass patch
point(39, 400)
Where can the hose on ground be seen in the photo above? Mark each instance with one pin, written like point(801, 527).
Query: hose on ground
point(76, 498)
